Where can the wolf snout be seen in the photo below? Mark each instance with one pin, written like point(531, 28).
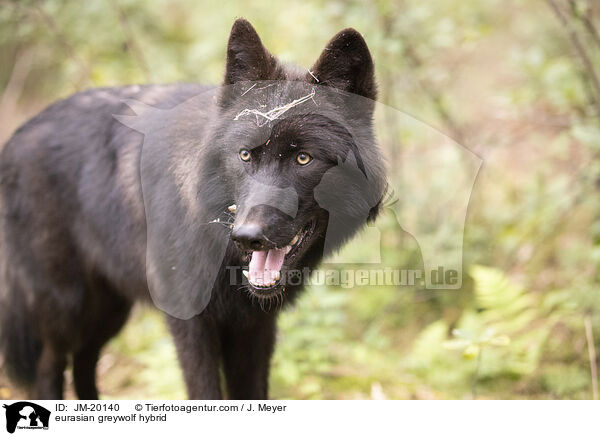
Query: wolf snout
point(249, 237)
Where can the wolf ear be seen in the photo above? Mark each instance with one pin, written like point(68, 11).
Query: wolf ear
point(247, 58)
point(346, 64)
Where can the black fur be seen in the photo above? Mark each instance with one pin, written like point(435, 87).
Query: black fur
point(74, 227)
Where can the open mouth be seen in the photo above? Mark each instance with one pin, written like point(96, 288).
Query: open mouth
point(266, 267)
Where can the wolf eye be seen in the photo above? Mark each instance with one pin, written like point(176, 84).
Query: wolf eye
point(245, 155)
point(303, 158)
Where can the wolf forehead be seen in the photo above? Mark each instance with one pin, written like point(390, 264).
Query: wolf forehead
point(288, 114)
point(326, 137)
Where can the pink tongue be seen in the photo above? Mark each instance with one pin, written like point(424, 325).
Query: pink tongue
point(265, 264)
point(257, 264)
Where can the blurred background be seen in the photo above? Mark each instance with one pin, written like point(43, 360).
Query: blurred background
point(518, 83)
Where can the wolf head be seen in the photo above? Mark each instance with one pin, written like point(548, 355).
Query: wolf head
point(305, 172)
point(269, 172)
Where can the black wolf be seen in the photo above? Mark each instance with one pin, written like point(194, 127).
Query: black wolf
point(90, 223)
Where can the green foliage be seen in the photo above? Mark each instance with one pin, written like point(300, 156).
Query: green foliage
point(503, 336)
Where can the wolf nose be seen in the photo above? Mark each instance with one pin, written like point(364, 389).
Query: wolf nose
point(249, 237)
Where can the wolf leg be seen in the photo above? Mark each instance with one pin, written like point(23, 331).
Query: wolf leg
point(196, 341)
point(84, 373)
point(110, 314)
point(247, 354)
point(50, 378)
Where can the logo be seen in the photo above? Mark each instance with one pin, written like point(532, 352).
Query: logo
point(26, 415)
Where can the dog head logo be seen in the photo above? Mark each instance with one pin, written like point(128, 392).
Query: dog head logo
point(26, 415)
